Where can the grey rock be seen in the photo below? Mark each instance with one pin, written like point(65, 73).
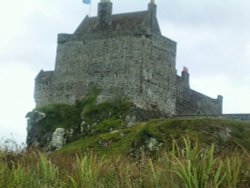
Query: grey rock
point(225, 134)
point(131, 120)
point(34, 117)
point(152, 144)
point(81, 128)
point(58, 138)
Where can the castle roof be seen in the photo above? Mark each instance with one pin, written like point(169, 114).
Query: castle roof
point(135, 22)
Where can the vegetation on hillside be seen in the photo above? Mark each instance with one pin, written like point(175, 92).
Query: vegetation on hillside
point(187, 166)
point(156, 135)
point(107, 148)
point(87, 117)
point(88, 112)
point(105, 128)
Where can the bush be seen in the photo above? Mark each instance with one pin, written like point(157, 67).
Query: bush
point(60, 115)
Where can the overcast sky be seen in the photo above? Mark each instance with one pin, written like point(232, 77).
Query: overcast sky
point(213, 40)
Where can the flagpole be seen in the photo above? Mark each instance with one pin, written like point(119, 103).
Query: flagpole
point(90, 7)
point(89, 3)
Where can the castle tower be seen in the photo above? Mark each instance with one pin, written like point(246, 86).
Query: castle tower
point(122, 55)
point(104, 13)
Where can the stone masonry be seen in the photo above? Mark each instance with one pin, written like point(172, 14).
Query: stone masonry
point(122, 55)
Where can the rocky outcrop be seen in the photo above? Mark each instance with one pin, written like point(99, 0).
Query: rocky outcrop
point(34, 117)
point(36, 137)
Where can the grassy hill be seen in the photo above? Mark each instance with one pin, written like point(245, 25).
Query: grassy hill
point(181, 153)
point(106, 147)
point(157, 135)
point(117, 127)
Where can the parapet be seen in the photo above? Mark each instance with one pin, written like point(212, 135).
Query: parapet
point(44, 76)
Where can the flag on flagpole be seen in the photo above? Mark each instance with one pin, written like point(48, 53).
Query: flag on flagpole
point(86, 1)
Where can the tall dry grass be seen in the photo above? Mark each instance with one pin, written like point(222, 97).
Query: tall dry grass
point(187, 166)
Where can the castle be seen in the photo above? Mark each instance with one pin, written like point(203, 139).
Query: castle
point(123, 55)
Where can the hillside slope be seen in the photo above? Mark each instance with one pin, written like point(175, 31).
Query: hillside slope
point(116, 127)
point(156, 135)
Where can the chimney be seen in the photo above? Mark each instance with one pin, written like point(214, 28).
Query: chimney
point(185, 76)
point(152, 15)
point(104, 13)
point(152, 7)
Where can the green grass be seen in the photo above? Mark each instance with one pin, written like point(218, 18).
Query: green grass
point(187, 166)
point(185, 153)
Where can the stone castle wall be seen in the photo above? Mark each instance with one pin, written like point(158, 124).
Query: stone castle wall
point(43, 88)
point(240, 117)
point(189, 101)
point(140, 67)
point(119, 67)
